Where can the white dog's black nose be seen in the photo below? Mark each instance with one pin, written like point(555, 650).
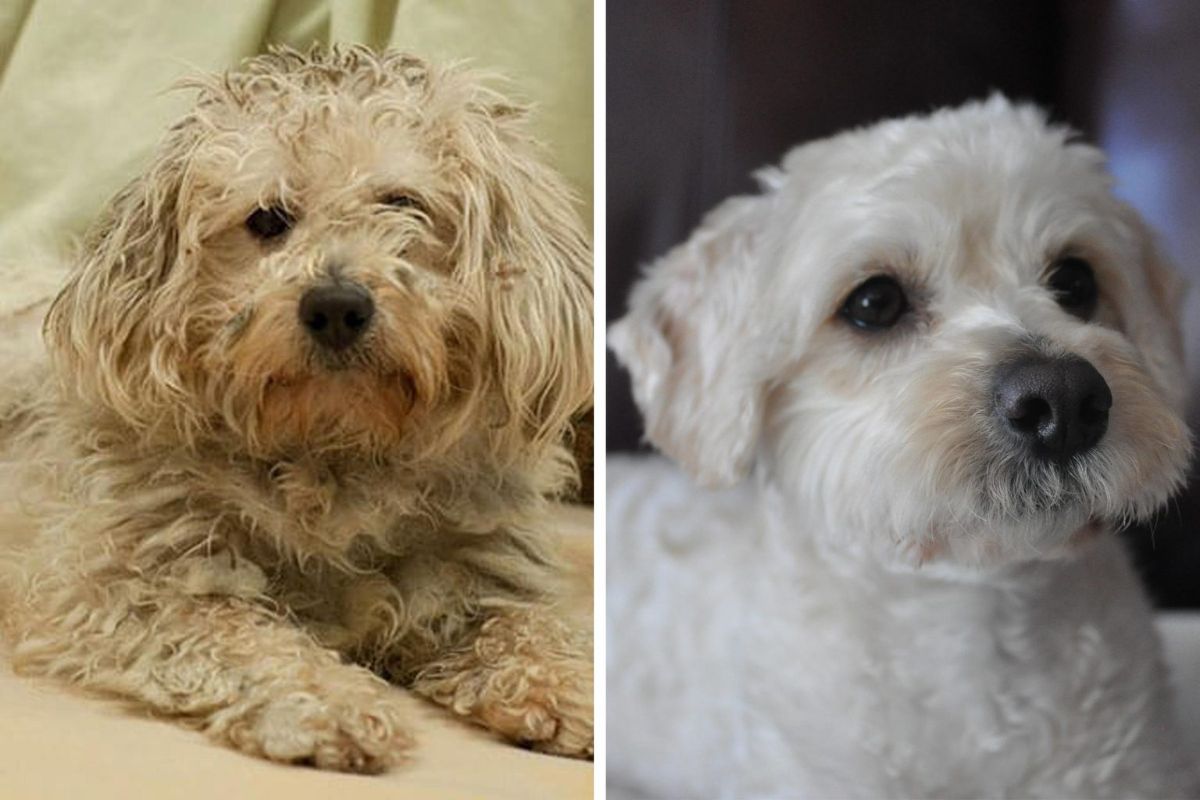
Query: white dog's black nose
point(336, 314)
point(1058, 407)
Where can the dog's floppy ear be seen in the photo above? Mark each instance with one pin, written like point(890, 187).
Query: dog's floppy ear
point(526, 253)
point(1159, 335)
point(109, 340)
point(686, 342)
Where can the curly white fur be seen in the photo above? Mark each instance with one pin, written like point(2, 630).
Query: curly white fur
point(241, 530)
point(895, 606)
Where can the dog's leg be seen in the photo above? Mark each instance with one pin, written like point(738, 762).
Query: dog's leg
point(245, 676)
point(527, 675)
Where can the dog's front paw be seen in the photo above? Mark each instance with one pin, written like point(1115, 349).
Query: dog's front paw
point(353, 732)
point(527, 677)
point(547, 708)
point(552, 721)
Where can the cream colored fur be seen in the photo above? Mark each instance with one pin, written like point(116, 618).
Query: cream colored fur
point(228, 529)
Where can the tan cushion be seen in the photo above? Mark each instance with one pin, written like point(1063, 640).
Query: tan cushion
point(59, 744)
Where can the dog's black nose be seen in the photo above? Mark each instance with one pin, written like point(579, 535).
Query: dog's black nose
point(336, 314)
point(1057, 406)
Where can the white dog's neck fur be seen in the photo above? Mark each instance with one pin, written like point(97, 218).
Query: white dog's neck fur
point(826, 675)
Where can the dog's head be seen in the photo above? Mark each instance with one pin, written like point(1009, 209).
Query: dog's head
point(941, 337)
point(338, 250)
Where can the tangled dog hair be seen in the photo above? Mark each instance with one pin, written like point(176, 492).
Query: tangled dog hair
point(905, 588)
point(252, 527)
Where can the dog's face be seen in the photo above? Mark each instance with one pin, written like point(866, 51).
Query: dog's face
point(941, 339)
point(338, 251)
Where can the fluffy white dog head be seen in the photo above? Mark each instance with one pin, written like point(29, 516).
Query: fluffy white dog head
point(941, 338)
point(338, 251)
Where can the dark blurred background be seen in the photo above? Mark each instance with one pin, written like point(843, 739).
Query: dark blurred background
point(702, 92)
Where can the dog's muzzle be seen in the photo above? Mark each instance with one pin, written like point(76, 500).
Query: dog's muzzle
point(1055, 408)
point(336, 314)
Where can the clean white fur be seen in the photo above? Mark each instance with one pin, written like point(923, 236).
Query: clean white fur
point(893, 606)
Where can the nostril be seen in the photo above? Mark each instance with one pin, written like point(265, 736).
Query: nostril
point(317, 321)
point(1028, 413)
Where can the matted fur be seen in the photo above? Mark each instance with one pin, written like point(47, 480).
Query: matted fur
point(899, 603)
point(241, 530)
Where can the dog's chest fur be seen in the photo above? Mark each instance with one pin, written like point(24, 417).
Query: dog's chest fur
point(790, 676)
point(386, 562)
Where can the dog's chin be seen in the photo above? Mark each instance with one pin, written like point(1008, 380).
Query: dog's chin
point(988, 544)
point(1013, 509)
point(1056, 528)
point(337, 408)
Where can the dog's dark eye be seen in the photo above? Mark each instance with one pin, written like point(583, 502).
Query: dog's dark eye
point(401, 200)
point(1074, 286)
point(876, 304)
point(267, 223)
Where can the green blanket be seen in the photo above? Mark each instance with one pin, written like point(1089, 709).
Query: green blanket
point(84, 84)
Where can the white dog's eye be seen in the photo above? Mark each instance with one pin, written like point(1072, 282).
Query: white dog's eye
point(267, 223)
point(1074, 285)
point(876, 304)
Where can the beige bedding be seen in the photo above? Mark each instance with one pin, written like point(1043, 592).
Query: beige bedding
point(58, 745)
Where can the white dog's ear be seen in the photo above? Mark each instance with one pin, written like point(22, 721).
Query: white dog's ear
point(688, 344)
point(110, 341)
point(524, 250)
point(1159, 334)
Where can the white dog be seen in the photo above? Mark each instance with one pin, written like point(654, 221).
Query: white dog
point(951, 360)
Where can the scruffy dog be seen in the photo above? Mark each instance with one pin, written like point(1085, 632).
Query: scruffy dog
point(306, 400)
point(950, 359)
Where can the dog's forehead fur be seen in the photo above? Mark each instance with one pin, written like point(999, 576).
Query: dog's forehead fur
point(962, 205)
point(333, 128)
point(319, 166)
point(389, 85)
